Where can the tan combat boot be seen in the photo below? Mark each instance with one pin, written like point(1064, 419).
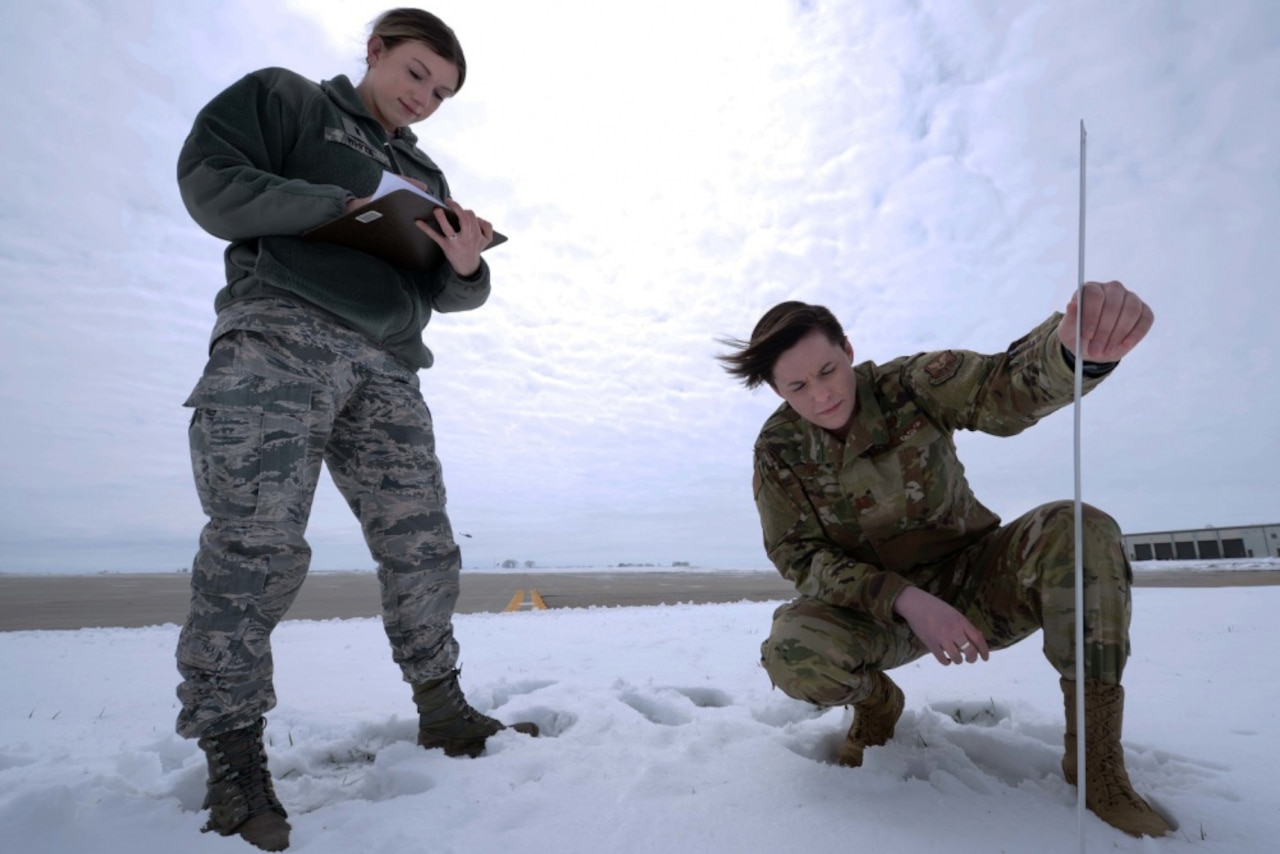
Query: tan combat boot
point(1108, 793)
point(873, 721)
point(240, 798)
point(446, 720)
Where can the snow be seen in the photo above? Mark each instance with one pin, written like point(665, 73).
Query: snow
point(661, 733)
point(1252, 564)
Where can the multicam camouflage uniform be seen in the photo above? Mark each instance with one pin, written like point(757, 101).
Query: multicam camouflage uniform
point(286, 387)
point(853, 523)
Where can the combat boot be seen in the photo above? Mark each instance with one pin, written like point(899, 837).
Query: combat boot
point(446, 720)
point(1108, 793)
point(874, 720)
point(240, 798)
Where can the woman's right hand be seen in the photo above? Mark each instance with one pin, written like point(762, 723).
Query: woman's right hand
point(949, 636)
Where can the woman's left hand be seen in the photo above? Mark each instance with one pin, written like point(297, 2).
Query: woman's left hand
point(462, 245)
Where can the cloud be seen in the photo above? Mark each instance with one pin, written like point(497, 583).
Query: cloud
point(666, 173)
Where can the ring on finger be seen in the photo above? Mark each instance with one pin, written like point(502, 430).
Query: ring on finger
point(964, 646)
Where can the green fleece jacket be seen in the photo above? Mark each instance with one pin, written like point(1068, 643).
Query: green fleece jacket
point(276, 154)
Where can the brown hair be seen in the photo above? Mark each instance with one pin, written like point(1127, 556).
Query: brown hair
point(399, 25)
point(778, 331)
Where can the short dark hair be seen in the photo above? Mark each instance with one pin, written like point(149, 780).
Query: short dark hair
point(399, 25)
point(778, 331)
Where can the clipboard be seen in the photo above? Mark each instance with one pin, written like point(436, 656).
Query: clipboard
point(385, 227)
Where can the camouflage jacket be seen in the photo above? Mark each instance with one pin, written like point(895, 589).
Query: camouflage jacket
point(855, 522)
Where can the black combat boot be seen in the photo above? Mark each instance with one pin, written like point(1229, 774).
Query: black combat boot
point(446, 720)
point(240, 798)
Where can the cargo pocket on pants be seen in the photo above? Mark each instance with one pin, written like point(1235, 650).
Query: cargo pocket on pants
point(225, 630)
point(249, 438)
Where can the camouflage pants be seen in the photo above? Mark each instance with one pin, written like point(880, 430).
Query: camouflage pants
point(1017, 580)
point(269, 407)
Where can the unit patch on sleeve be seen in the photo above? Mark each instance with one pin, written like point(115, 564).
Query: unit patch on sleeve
point(943, 366)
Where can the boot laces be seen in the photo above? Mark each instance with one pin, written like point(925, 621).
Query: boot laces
point(875, 718)
point(1112, 780)
point(242, 762)
point(453, 688)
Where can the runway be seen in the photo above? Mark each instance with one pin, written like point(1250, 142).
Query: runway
point(146, 599)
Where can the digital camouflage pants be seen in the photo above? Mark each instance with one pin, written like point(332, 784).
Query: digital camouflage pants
point(272, 403)
point(1017, 580)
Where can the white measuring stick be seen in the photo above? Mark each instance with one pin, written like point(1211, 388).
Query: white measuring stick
point(1081, 770)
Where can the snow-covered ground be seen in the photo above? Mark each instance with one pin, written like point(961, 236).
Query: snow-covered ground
point(1224, 565)
point(662, 734)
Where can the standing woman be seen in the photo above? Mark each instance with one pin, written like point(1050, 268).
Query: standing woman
point(314, 356)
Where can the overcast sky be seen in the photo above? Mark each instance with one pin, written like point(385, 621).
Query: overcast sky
point(666, 171)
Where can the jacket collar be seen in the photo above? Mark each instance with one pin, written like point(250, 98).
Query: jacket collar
point(867, 429)
point(343, 93)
